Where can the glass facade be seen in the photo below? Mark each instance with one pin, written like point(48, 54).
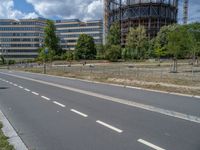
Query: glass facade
point(70, 30)
point(21, 39)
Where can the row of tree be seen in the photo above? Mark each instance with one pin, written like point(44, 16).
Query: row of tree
point(175, 41)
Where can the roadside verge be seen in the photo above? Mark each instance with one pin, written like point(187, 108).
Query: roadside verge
point(13, 137)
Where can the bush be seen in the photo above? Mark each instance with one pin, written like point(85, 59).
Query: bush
point(113, 53)
point(11, 62)
point(85, 48)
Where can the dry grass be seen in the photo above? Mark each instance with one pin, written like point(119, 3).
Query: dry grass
point(148, 75)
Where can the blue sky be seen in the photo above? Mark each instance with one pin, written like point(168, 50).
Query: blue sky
point(23, 6)
point(68, 9)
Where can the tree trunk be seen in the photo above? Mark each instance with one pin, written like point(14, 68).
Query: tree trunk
point(174, 67)
point(197, 61)
point(159, 61)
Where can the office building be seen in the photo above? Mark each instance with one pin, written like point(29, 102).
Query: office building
point(21, 39)
point(69, 31)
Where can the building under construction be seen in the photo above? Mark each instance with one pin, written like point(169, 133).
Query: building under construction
point(152, 14)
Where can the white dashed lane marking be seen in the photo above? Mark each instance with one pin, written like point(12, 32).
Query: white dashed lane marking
point(44, 97)
point(109, 126)
point(79, 113)
point(35, 93)
point(27, 90)
point(20, 87)
point(150, 144)
point(59, 104)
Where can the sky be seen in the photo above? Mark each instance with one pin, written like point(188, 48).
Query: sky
point(71, 9)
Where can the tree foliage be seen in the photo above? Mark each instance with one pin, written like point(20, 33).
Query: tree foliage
point(85, 48)
point(69, 56)
point(51, 40)
point(136, 43)
point(100, 51)
point(113, 52)
point(113, 37)
point(179, 42)
point(194, 31)
point(161, 40)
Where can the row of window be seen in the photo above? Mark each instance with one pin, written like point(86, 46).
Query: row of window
point(21, 40)
point(21, 34)
point(171, 2)
point(20, 29)
point(79, 30)
point(76, 25)
point(68, 46)
point(22, 51)
point(22, 23)
point(74, 41)
point(77, 35)
point(19, 45)
point(21, 56)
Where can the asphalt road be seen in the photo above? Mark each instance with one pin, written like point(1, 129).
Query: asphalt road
point(51, 113)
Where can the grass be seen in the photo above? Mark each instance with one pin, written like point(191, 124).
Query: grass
point(4, 144)
point(147, 75)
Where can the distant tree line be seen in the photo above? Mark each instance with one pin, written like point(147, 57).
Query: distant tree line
point(173, 41)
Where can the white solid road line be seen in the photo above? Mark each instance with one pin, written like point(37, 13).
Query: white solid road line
point(44, 97)
point(150, 144)
point(35, 93)
point(109, 126)
point(151, 108)
point(59, 104)
point(79, 113)
point(197, 97)
point(27, 90)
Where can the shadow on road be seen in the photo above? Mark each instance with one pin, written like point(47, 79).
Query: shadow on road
point(3, 88)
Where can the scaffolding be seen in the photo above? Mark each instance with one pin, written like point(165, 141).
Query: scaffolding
point(185, 12)
point(152, 14)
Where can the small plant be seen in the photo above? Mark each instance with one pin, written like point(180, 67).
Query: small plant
point(4, 144)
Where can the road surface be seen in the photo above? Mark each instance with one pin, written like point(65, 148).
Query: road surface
point(55, 113)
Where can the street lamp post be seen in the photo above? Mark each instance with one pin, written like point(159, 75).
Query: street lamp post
point(45, 55)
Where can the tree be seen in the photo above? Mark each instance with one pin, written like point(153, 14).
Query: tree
point(45, 56)
point(100, 51)
point(69, 56)
point(136, 42)
point(112, 47)
point(85, 48)
point(178, 44)
point(161, 40)
point(194, 31)
point(51, 40)
point(126, 54)
point(2, 59)
point(113, 37)
point(159, 51)
point(113, 52)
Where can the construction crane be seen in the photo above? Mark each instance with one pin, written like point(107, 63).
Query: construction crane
point(185, 11)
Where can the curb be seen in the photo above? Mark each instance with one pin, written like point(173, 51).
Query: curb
point(118, 85)
point(9, 131)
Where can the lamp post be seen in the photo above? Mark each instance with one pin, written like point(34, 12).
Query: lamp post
point(46, 50)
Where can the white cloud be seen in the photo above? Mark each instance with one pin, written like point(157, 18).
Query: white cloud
point(65, 9)
point(7, 10)
point(81, 9)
